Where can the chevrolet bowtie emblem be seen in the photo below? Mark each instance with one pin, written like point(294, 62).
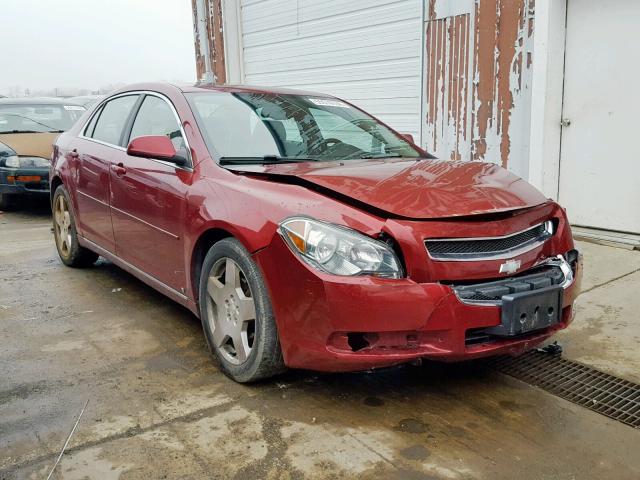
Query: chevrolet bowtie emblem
point(510, 266)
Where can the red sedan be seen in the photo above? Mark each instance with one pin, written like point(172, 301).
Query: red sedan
point(305, 233)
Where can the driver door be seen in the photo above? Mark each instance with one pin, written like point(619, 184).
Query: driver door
point(148, 199)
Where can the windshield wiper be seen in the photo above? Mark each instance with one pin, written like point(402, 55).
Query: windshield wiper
point(264, 160)
point(383, 155)
point(21, 131)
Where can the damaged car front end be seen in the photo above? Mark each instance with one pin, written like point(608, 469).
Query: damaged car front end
point(448, 307)
point(395, 255)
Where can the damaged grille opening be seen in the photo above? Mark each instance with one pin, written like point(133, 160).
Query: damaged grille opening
point(357, 341)
point(487, 248)
point(478, 336)
point(492, 291)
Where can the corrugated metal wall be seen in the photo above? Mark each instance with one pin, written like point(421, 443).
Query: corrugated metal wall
point(365, 51)
point(447, 86)
point(477, 80)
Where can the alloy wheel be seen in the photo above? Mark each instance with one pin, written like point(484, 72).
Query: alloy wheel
point(62, 218)
point(231, 314)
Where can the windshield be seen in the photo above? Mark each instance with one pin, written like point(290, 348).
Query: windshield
point(33, 118)
point(252, 126)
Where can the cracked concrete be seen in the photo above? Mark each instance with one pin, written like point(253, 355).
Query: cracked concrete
point(159, 407)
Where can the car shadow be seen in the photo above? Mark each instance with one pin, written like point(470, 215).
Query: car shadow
point(32, 207)
point(420, 378)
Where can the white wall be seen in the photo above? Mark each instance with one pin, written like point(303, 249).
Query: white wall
point(368, 52)
point(546, 96)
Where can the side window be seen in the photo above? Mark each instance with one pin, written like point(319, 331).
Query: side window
point(88, 131)
point(156, 117)
point(113, 119)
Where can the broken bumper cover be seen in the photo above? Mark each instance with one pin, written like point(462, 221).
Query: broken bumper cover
point(332, 323)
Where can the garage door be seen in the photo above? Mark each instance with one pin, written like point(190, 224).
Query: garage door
point(365, 51)
point(599, 167)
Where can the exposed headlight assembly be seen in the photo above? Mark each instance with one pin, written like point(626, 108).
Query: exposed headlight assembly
point(339, 250)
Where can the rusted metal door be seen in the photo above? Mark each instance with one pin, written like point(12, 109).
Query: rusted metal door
point(476, 80)
point(447, 82)
point(599, 167)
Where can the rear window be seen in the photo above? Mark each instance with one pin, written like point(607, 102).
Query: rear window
point(28, 118)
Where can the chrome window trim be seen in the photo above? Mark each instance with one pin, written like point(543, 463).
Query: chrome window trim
point(188, 168)
point(97, 109)
point(501, 255)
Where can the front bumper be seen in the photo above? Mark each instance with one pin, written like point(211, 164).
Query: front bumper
point(332, 323)
point(24, 181)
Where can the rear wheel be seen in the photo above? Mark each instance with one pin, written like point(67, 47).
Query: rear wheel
point(236, 314)
point(66, 236)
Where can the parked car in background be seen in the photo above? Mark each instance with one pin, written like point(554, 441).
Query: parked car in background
point(85, 100)
point(28, 127)
point(305, 233)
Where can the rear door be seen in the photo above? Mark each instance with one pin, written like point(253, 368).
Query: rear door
point(148, 198)
point(98, 145)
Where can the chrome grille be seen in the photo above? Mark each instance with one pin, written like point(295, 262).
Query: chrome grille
point(485, 248)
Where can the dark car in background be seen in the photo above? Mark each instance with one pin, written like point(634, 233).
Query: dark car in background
point(28, 128)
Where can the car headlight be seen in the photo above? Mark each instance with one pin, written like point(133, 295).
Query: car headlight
point(339, 250)
point(12, 161)
point(15, 161)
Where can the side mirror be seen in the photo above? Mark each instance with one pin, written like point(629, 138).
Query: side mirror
point(155, 146)
point(408, 137)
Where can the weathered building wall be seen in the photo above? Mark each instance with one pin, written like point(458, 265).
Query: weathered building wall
point(209, 40)
point(476, 68)
point(477, 80)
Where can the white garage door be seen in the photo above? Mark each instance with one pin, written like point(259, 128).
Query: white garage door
point(599, 166)
point(365, 51)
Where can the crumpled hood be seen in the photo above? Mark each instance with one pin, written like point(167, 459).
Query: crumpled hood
point(30, 144)
point(415, 189)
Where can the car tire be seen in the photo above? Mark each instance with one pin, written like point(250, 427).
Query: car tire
point(6, 202)
point(242, 336)
point(65, 233)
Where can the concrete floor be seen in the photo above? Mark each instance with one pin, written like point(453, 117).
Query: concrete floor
point(159, 408)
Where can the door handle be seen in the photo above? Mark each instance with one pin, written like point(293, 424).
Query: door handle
point(119, 169)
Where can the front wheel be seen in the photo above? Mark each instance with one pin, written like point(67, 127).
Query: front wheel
point(236, 314)
point(65, 233)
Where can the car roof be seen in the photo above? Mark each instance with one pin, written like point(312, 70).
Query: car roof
point(208, 87)
point(35, 101)
point(199, 87)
